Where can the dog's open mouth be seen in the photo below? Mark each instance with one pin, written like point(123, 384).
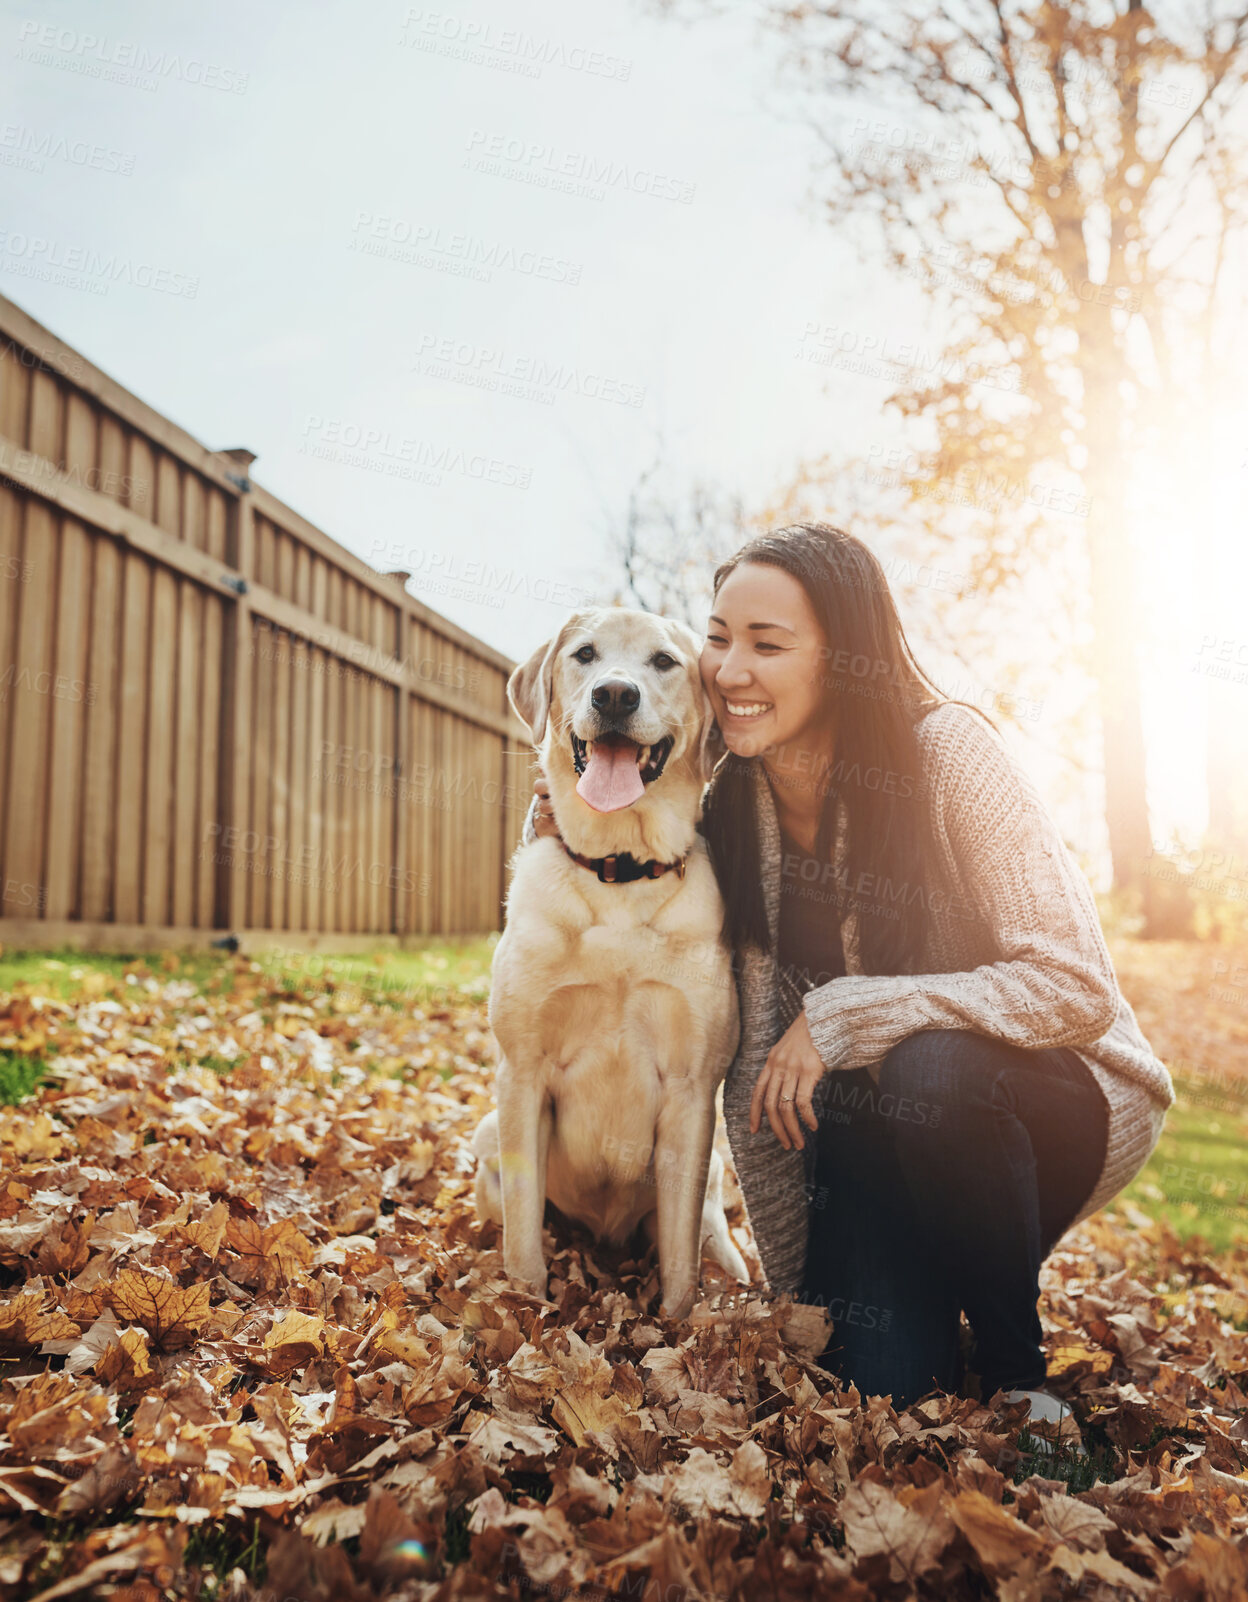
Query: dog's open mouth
point(614, 771)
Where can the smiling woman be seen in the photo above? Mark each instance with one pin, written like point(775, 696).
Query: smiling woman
point(973, 1079)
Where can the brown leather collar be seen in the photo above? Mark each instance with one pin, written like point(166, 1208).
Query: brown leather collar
point(621, 868)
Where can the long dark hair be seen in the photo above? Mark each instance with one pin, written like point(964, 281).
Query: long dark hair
point(881, 694)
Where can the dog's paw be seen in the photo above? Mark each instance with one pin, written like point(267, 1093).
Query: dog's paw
point(680, 1304)
point(529, 1277)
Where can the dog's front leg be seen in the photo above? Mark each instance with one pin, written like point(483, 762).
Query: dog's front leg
point(523, 1144)
point(682, 1156)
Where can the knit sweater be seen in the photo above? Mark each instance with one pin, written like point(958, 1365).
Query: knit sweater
point(1013, 950)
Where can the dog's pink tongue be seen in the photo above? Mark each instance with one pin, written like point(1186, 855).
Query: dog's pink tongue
point(612, 778)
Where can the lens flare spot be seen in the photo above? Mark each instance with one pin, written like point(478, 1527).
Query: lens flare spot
point(517, 1169)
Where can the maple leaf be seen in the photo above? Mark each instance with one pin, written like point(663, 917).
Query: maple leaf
point(999, 1539)
point(392, 1546)
point(20, 1236)
point(501, 1434)
point(110, 1479)
point(83, 1351)
point(273, 1254)
point(169, 1312)
point(704, 1486)
point(126, 1362)
point(65, 1249)
point(25, 1322)
point(1076, 1523)
point(33, 1137)
point(912, 1534)
point(577, 1409)
point(294, 1341)
point(209, 1231)
point(751, 1479)
point(1075, 1357)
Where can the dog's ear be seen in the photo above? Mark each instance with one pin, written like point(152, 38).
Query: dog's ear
point(532, 684)
point(709, 745)
point(529, 689)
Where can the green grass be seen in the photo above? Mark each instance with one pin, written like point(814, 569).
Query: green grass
point(1197, 1177)
point(216, 1551)
point(438, 971)
point(20, 1073)
point(63, 973)
point(434, 970)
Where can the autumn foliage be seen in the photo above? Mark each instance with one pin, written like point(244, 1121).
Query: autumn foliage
point(248, 1309)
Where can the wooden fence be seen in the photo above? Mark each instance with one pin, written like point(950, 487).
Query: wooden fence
point(212, 716)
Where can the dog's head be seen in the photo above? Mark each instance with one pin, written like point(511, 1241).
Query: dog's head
point(616, 705)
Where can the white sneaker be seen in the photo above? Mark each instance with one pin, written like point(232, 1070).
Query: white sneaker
point(1056, 1421)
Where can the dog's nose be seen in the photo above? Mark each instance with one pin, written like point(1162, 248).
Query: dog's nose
point(615, 696)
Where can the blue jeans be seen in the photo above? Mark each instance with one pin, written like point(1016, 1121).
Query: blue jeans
point(942, 1190)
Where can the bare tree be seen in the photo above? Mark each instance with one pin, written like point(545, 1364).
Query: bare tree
point(1046, 171)
point(671, 538)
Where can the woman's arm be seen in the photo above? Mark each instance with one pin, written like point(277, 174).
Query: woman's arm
point(1054, 982)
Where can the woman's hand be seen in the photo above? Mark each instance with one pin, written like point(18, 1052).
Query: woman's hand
point(544, 818)
point(790, 1074)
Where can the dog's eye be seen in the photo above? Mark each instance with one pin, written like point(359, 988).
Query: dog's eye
point(585, 654)
point(662, 660)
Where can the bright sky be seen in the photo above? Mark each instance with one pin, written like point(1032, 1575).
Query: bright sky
point(313, 178)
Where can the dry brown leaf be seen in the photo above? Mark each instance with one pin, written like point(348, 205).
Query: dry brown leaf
point(294, 1341)
point(343, 1292)
point(578, 1409)
point(170, 1313)
point(126, 1362)
point(911, 1535)
point(27, 1320)
point(999, 1539)
point(208, 1232)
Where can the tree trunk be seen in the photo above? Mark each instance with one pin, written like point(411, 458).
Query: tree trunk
point(1226, 756)
point(1116, 624)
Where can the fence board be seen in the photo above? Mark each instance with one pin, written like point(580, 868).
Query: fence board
point(13, 567)
point(300, 781)
point(320, 816)
point(162, 667)
point(279, 779)
point(210, 765)
point(27, 816)
point(131, 754)
point(99, 772)
point(70, 694)
point(188, 663)
point(258, 819)
point(188, 748)
point(14, 395)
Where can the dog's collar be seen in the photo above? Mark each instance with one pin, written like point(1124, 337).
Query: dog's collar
point(621, 867)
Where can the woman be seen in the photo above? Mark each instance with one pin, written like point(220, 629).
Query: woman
point(931, 1023)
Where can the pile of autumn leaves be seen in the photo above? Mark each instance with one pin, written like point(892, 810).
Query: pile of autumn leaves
point(256, 1297)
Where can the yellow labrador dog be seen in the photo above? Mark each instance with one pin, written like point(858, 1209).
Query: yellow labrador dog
point(612, 996)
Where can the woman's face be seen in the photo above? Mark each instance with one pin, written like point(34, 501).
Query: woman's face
point(764, 662)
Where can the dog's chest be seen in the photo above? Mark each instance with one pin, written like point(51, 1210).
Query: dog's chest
point(614, 980)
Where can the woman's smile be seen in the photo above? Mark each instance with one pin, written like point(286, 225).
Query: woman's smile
point(746, 710)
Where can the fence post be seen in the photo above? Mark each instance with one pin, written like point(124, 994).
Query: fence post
point(236, 724)
point(401, 909)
